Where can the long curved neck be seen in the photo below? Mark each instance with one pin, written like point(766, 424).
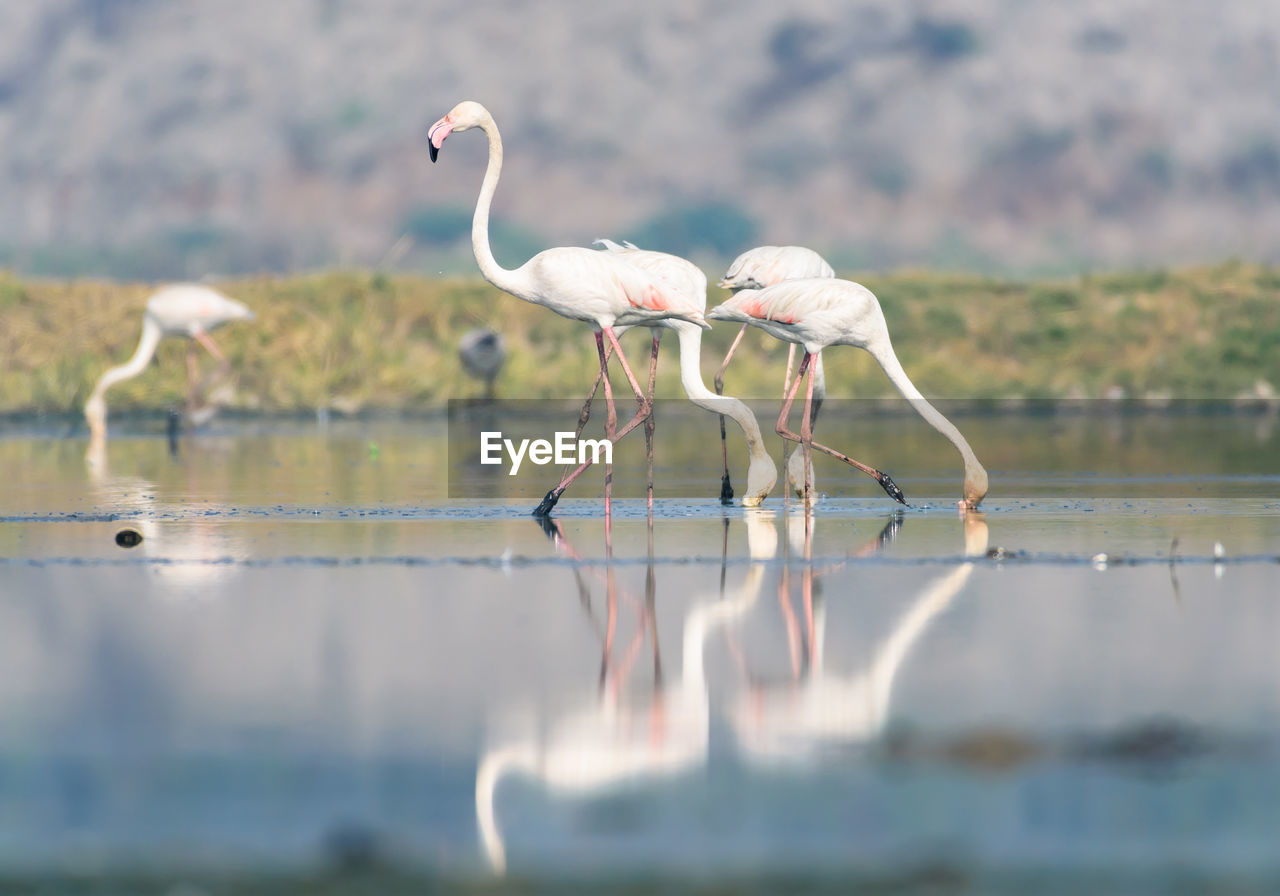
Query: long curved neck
point(882, 351)
point(491, 768)
point(95, 408)
point(690, 337)
point(489, 267)
point(703, 618)
point(884, 668)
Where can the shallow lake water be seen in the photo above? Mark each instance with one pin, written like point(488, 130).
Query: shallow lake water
point(317, 661)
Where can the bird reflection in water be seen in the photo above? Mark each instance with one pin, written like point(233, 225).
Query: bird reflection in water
point(617, 740)
point(188, 549)
point(820, 708)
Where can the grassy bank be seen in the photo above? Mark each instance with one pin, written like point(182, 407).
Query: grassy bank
point(355, 341)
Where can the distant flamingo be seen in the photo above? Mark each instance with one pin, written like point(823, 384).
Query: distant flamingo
point(482, 353)
point(767, 266)
point(184, 309)
point(600, 288)
point(817, 313)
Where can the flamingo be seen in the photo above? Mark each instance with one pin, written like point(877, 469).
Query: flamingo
point(816, 313)
point(482, 353)
point(755, 269)
point(600, 288)
point(184, 309)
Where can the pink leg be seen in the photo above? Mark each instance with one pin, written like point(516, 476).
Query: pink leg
point(886, 482)
point(649, 422)
point(585, 414)
point(610, 427)
point(644, 409)
point(806, 438)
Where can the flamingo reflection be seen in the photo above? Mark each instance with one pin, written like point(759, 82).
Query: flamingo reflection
point(194, 551)
point(615, 741)
point(821, 708)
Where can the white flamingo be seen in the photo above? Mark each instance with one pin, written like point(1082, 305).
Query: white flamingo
point(817, 313)
point(184, 309)
point(600, 288)
point(610, 743)
point(766, 266)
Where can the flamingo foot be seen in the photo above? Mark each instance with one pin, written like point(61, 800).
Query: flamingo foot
point(726, 490)
point(891, 487)
point(548, 502)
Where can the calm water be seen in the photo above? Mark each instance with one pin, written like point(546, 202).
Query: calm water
point(316, 659)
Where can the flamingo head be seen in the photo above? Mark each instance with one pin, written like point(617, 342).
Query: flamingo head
point(466, 114)
point(762, 475)
point(975, 487)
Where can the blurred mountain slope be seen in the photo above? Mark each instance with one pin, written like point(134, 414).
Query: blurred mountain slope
point(228, 135)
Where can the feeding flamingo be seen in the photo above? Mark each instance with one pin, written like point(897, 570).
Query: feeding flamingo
point(817, 313)
point(755, 269)
point(599, 288)
point(184, 309)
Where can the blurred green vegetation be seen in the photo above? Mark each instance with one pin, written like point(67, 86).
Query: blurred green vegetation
point(355, 342)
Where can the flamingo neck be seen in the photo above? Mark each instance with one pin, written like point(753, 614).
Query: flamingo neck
point(95, 409)
point(489, 267)
point(883, 352)
point(492, 766)
point(690, 338)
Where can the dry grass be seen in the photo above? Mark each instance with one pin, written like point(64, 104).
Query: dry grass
point(352, 341)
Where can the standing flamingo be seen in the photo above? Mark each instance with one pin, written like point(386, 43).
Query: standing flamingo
point(755, 269)
point(600, 288)
point(817, 313)
point(184, 309)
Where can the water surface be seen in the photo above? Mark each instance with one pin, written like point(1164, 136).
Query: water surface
point(315, 657)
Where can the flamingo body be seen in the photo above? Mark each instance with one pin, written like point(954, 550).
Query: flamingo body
point(601, 288)
point(819, 312)
point(766, 265)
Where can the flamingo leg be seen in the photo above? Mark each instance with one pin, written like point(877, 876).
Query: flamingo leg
point(886, 482)
point(584, 415)
point(610, 428)
point(726, 489)
point(806, 440)
point(649, 424)
point(644, 410)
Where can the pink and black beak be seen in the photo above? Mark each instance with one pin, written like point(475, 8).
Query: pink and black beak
point(436, 135)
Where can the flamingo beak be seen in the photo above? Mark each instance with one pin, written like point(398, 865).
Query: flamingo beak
point(436, 135)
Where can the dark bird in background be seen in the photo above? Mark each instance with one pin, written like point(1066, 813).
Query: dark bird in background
point(482, 352)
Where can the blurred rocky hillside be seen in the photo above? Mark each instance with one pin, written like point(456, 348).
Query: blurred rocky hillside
point(151, 138)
